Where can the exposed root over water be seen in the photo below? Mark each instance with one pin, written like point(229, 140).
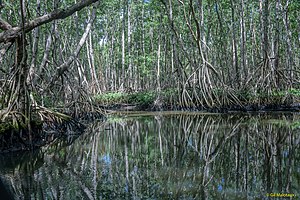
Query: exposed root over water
point(46, 125)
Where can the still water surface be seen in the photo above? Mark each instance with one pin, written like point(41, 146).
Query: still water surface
point(165, 156)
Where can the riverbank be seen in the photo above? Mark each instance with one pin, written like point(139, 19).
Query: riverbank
point(48, 125)
point(168, 100)
point(45, 127)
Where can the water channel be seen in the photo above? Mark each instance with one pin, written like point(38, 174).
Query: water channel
point(165, 155)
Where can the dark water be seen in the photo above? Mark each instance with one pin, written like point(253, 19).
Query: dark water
point(165, 156)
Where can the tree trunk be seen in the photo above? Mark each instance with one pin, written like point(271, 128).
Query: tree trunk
point(122, 87)
point(276, 47)
point(91, 60)
point(290, 61)
point(243, 41)
point(130, 71)
point(265, 31)
point(64, 67)
point(234, 47)
point(32, 68)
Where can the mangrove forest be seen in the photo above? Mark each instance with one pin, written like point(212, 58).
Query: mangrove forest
point(149, 99)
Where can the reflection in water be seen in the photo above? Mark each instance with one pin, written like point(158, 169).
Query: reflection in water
point(165, 157)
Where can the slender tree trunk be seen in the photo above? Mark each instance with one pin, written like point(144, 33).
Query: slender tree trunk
point(63, 67)
point(243, 41)
point(47, 50)
point(290, 61)
point(158, 88)
point(276, 47)
point(172, 39)
point(91, 61)
point(265, 31)
point(234, 47)
point(143, 85)
point(122, 87)
point(111, 68)
point(34, 47)
point(130, 71)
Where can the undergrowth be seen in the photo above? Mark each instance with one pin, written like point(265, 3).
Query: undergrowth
point(145, 98)
point(169, 97)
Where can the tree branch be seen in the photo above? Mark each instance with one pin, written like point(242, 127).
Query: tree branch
point(4, 25)
point(12, 32)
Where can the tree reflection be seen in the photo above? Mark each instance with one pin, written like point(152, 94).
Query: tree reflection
point(166, 156)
